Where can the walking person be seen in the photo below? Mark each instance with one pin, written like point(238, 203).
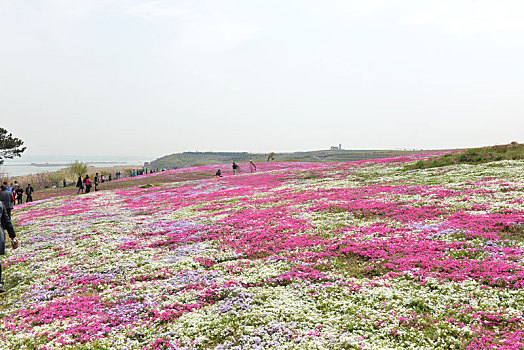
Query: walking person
point(19, 192)
point(5, 224)
point(29, 193)
point(7, 199)
point(88, 184)
point(252, 167)
point(80, 185)
point(102, 178)
point(9, 188)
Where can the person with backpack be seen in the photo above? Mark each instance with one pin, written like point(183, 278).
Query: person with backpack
point(9, 188)
point(29, 193)
point(80, 185)
point(88, 184)
point(5, 224)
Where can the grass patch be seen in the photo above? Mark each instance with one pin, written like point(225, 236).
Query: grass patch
point(515, 232)
point(150, 185)
point(512, 151)
point(352, 265)
point(311, 176)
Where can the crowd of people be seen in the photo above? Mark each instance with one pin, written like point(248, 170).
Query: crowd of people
point(145, 171)
point(84, 185)
point(13, 194)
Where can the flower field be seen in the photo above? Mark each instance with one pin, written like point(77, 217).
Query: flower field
point(360, 255)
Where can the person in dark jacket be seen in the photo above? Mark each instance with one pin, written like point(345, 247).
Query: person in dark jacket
point(29, 192)
point(5, 224)
point(7, 199)
point(80, 185)
point(96, 181)
point(19, 194)
point(9, 188)
point(235, 168)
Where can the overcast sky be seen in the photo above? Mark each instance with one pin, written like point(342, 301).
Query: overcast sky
point(149, 78)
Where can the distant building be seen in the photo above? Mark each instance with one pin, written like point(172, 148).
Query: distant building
point(334, 148)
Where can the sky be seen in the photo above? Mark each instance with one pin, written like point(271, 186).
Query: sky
point(149, 78)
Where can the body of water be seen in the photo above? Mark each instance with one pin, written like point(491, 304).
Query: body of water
point(12, 169)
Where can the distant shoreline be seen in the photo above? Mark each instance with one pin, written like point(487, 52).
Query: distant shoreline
point(26, 169)
point(66, 164)
point(48, 179)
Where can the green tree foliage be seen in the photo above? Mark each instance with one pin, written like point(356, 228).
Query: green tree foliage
point(10, 146)
point(271, 156)
point(77, 168)
point(57, 177)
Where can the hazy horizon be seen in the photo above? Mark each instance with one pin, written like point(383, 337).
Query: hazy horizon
point(25, 158)
point(151, 78)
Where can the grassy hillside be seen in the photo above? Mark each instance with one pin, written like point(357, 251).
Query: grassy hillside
point(512, 151)
point(188, 159)
point(360, 255)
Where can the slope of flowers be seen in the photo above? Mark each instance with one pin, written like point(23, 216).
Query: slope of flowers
point(169, 176)
point(346, 256)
